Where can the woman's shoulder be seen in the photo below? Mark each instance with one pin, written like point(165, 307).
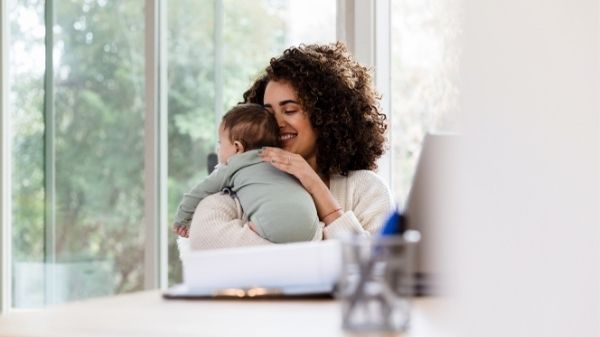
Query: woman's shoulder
point(365, 193)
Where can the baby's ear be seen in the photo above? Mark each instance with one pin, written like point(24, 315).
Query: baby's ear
point(239, 147)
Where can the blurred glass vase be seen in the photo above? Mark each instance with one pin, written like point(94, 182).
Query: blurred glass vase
point(377, 282)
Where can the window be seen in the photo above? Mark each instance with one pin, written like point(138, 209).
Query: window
point(78, 140)
point(78, 154)
point(424, 60)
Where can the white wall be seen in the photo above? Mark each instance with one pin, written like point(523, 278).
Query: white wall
point(527, 242)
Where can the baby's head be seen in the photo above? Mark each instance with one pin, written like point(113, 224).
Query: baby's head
point(246, 127)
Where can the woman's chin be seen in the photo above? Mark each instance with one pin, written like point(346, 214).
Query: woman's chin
point(288, 147)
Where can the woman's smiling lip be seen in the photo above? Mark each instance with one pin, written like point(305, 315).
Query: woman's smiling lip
point(287, 136)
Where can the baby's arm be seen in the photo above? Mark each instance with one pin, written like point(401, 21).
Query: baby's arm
point(211, 185)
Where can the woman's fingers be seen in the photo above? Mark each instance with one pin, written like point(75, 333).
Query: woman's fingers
point(293, 164)
point(279, 158)
point(282, 165)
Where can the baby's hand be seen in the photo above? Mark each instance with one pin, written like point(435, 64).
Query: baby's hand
point(181, 230)
point(252, 226)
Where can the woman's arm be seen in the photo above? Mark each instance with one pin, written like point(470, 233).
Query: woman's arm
point(360, 208)
point(217, 223)
point(368, 203)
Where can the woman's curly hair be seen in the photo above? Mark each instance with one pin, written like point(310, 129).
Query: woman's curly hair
point(339, 97)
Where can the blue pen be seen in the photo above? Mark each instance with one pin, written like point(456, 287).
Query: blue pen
point(394, 225)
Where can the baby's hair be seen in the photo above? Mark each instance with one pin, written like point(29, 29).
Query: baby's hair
point(252, 125)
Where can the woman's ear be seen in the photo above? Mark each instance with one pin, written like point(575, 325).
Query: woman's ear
point(239, 147)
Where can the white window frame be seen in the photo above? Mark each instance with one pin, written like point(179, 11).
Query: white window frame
point(364, 25)
point(5, 200)
point(155, 144)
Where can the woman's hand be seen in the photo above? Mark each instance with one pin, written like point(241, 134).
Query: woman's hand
point(327, 207)
point(293, 164)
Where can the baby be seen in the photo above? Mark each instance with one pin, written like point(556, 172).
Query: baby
point(278, 207)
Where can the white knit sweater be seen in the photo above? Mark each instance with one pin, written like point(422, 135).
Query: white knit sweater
point(363, 196)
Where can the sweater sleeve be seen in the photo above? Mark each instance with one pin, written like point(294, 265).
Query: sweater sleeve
point(217, 223)
point(368, 202)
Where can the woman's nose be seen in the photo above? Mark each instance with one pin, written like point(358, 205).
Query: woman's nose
point(280, 121)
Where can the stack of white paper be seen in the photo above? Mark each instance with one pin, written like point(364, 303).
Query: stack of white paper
point(301, 266)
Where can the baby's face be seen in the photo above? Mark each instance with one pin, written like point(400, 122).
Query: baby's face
point(225, 147)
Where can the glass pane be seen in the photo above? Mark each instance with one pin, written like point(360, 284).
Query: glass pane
point(98, 151)
point(26, 100)
point(201, 87)
point(99, 103)
point(424, 89)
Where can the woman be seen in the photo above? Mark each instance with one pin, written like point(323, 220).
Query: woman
point(332, 133)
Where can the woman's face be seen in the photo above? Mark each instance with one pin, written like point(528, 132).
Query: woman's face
point(296, 132)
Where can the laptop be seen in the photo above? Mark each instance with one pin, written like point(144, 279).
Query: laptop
point(430, 205)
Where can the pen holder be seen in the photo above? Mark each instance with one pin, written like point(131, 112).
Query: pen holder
point(376, 282)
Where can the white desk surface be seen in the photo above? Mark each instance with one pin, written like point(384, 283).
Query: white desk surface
point(147, 314)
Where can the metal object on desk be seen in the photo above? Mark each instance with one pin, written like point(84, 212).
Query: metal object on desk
point(377, 282)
